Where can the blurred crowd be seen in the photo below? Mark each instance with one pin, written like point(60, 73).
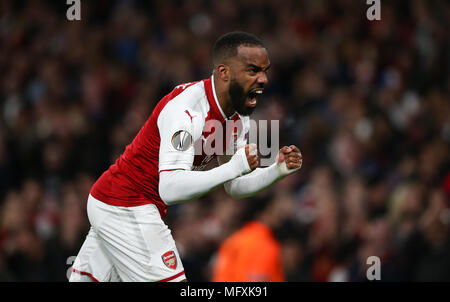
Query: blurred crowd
point(367, 102)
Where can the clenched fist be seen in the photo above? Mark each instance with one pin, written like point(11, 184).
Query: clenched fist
point(292, 158)
point(251, 151)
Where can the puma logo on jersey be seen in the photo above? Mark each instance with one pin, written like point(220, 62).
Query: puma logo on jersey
point(187, 112)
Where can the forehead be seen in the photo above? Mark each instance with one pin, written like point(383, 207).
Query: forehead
point(255, 55)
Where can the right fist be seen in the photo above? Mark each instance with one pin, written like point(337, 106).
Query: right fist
point(251, 151)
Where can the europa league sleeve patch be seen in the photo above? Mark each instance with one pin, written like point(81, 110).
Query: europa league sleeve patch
point(181, 140)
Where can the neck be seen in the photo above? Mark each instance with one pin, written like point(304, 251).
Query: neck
point(223, 97)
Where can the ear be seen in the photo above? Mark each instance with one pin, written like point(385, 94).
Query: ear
point(223, 71)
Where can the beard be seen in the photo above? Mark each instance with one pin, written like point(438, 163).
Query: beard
point(238, 98)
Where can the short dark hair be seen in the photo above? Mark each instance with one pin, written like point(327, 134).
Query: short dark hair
point(226, 46)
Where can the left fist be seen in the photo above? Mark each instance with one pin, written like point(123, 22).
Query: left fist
point(291, 156)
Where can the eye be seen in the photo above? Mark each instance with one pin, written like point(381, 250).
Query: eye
point(253, 71)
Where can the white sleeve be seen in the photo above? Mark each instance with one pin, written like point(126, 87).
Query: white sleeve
point(242, 139)
point(178, 132)
point(258, 180)
point(179, 186)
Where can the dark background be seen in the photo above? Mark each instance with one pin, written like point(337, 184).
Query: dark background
point(367, 102)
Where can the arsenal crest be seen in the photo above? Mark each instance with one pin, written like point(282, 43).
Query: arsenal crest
point(169, 259)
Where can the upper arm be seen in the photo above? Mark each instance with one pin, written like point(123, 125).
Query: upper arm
point(241, 141)
point(243, 136)
point(178, 131)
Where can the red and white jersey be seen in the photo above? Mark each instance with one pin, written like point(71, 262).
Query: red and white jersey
point(174, 137)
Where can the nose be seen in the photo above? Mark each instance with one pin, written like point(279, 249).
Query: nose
point(262, 78)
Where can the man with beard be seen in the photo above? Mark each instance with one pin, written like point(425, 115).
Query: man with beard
point(167, 162)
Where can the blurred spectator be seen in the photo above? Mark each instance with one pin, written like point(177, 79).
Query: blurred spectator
point(253, 253)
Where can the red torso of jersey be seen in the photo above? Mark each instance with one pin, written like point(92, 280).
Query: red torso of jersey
point(133, 179)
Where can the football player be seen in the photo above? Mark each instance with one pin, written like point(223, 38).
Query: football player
point(167, 163)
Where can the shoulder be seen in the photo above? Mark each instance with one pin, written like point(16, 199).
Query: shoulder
point(188, 96)
point(186, 110)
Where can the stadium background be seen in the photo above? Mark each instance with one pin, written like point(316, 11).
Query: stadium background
point(366, 102)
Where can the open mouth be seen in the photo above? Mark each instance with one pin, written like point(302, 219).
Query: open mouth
point(252, 96)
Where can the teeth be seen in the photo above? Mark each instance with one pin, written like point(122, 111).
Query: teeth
point(259, 91)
